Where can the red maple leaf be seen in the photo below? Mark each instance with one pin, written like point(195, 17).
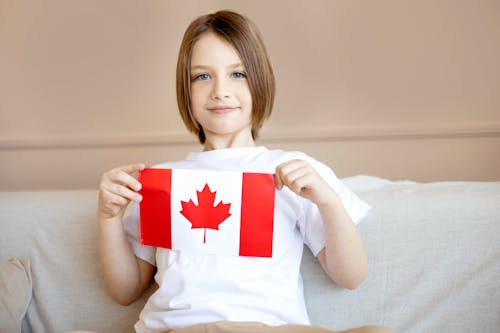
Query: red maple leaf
point(205, 214)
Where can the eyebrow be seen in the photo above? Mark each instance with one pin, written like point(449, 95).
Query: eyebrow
point(235, 65)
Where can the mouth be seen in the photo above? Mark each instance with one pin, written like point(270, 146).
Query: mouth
point(222, 109)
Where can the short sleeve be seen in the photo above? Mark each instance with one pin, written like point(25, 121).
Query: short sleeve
point(356, 208)
point(131, 224)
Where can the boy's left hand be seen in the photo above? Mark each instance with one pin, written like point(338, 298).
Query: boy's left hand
point(300, 177)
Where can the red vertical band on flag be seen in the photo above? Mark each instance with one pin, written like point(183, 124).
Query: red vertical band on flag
point(257, 215)
point(155, 207)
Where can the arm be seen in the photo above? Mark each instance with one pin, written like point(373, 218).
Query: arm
point(126, 276)
point(343, 258)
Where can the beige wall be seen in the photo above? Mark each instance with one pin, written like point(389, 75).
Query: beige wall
point(396, 89)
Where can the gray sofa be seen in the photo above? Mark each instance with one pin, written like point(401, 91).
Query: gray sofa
point(434, 262)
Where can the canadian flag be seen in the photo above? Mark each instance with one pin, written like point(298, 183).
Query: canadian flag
point(220, 212)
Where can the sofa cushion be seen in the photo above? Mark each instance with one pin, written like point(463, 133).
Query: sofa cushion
point(15, 293)
point(58, 232)
point(433, 260)
point(433, 253)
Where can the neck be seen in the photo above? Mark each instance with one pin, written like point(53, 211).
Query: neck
point(214, 142)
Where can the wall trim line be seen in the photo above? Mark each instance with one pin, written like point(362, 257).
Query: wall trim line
point(277, 136)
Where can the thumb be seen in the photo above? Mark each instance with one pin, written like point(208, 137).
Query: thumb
point(277, 181)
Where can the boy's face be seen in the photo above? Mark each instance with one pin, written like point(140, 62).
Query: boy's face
point(220, 97)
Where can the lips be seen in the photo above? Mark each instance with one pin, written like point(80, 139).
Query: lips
point(222, 109)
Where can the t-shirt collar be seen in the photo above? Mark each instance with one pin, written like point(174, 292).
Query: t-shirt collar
point(226, 153)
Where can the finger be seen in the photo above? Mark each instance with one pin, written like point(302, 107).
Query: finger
point(131, 168)
point(115, 187)
point(121, 177)
point(292, 174)
point(297, 181)
point(277, 181)
point(113, 199)
point(124, 192)
point(129, 180)
point(292, 164)
point(282, 172)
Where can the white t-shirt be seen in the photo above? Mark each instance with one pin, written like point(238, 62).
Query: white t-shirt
point(199, 288)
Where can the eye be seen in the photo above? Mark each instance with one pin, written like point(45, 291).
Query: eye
point(238, 75)
point(201, 77)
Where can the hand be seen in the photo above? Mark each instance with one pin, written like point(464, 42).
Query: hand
point(300, 177)
point(117, 188)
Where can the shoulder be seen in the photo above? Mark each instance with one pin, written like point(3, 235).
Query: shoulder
point(281, 156)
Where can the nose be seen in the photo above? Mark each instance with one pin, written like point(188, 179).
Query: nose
point(220, 89)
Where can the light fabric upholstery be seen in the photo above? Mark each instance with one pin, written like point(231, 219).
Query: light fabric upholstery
point(434, 261)
point(58, 232)
point(15, 293)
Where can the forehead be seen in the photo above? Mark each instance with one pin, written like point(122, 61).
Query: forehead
point(212, 50)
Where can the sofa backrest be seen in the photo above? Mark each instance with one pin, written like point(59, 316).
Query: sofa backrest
point(434, 261)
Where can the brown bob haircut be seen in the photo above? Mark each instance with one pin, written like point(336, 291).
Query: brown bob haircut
point(243, 35)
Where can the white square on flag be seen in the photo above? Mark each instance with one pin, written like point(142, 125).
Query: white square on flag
point(189, 185)
point(219, 212)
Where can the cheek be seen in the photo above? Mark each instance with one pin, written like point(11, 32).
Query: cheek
point(195, 98)
point(246, 96)
point(248, 99)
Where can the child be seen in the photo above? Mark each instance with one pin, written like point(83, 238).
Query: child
point(225, 91)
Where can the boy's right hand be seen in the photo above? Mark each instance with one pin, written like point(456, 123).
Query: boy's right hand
point(117, 188)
